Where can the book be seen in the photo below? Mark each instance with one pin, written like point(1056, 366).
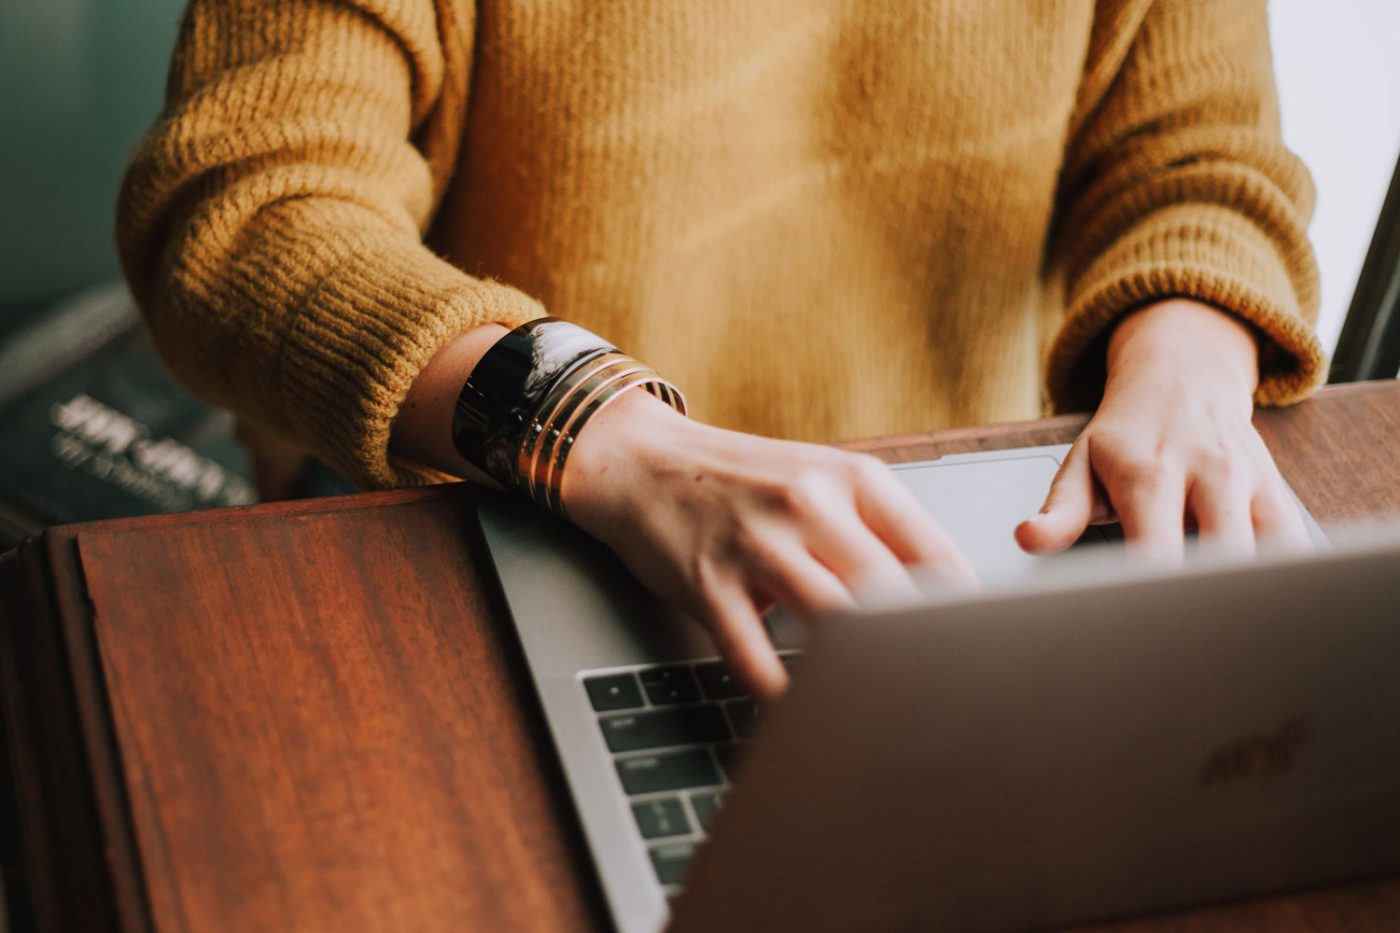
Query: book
point(93, 426)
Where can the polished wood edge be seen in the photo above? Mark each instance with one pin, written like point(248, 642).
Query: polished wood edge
point(233, 515)
point(259, 511)
point(1002, 436)
point(98, 733)
point(61, 875)
point(1344, 390)
point(1057, 429)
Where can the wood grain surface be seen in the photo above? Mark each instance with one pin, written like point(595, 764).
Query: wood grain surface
point(311, 715)
point(322, 726)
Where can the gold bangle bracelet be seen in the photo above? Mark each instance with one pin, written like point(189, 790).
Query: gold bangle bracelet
point(542, 456)
point(607, 393)
point(570, 420)
point(524, 403)
point(543, 428)
point(534, 455)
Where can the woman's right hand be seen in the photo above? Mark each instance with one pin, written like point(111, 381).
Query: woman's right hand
point(723, 525)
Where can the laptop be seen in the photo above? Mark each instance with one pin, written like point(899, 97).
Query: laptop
point(871, 769)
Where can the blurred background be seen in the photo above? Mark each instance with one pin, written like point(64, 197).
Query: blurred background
point(83, 79)
point(91, 425)
point(1339, 88)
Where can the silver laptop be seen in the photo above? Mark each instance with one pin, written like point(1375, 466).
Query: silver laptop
point(879, 765)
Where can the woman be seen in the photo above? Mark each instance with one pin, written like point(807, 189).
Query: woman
point(819, 220)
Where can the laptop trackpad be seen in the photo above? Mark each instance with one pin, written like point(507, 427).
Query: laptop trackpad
point(979, 504)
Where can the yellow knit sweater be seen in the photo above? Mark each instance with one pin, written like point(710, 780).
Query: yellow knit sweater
point(821, 218)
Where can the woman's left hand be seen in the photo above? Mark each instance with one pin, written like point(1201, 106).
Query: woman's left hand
point(1172, 445)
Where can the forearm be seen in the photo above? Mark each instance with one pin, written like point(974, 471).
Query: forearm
point(422, 431)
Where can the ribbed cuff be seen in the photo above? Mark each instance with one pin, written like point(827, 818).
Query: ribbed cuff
point(361, 340)
point(1207, 253)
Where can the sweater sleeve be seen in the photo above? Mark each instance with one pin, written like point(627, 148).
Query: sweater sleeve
point(271, 223)
point(1176, 183)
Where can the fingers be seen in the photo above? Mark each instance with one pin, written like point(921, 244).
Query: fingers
point(821, 565)
point(1072, 503)
point(1221, 506)
point(902, 524)
point(827, 511)
point(1276, 517)
point(781, 568)
point(838, 528)
point(1274, 513)
point(1234, 499)
point(797, 580)
point(851, 551)
point(1150, 500)
point(742, 640)
point(1239, 500)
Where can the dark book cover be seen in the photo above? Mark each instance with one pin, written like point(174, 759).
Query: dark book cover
point(92, 425)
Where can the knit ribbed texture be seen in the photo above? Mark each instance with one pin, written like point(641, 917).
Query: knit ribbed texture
point(1178, 185)
point(822, 220)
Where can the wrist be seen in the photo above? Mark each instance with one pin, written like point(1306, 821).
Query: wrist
point(528, 399)
point(1195, 341)
point(624, 442)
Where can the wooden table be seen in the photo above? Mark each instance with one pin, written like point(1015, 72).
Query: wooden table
point(309, 715)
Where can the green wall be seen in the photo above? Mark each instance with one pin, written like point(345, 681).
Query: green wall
point(80, 82)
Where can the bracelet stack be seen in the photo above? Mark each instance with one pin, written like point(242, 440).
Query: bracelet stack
point(526, 402)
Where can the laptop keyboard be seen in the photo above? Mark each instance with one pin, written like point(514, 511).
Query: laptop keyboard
point(675, 733)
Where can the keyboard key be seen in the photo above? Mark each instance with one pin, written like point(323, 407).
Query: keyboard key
point(689, 725)
point(728, 756)
point(671, 861)
point(717, 682)
point(667, 686)
point(706, 806)
point(663, 771)
point(664, 817)
point(618, 691)
point(743, 716)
